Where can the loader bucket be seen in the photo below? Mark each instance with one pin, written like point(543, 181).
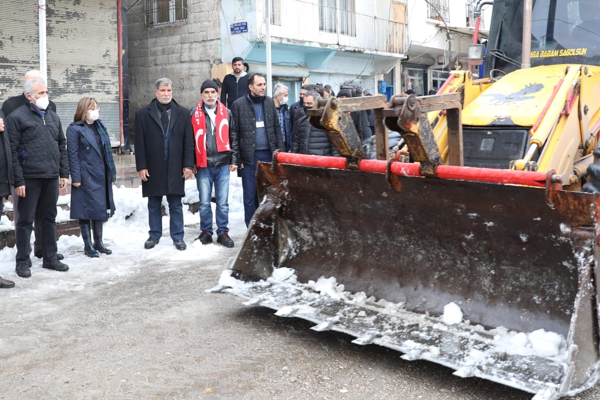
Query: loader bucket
point(382, 257)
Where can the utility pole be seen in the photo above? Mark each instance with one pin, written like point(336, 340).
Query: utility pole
point(42, 38)
point(268, 40)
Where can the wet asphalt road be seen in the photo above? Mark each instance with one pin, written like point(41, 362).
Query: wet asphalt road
point(156, 334)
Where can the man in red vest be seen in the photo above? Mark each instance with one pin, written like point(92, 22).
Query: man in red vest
point(217, 154)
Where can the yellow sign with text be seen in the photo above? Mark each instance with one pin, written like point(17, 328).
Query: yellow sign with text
point(582, 51)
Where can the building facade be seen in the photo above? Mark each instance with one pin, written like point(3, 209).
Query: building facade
point(438, 37)
point(82, 58)
point(317, 41)
point(175, 39)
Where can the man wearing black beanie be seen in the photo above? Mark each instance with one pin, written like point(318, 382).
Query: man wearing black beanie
point(217, 154)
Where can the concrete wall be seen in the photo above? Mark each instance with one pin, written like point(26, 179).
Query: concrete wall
point(182, 51)
point(82, 54)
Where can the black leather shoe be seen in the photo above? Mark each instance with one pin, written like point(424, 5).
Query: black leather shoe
point(225, 240)
point(150, 243)
point(179, 244)
point(56, 265)
point(40, 254)
point(6, 284)
point(205, 238)
point(23, 270)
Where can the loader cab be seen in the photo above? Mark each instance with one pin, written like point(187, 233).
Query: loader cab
point(563, 32)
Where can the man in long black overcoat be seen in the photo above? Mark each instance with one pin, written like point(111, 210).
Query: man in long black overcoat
point(164, 158)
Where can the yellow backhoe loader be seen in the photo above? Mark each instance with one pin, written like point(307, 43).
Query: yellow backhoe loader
point(476, 245)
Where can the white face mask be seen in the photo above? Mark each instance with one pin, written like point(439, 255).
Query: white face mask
point(42, 103)
point(284, 100)
point(93, 115)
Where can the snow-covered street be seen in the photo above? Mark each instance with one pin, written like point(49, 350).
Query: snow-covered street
point(138, 324)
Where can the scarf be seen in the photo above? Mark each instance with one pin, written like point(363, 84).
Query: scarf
point(222, 128)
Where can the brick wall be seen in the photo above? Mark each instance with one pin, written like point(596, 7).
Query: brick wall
point(182, 51)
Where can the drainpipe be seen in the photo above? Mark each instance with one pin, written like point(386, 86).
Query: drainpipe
point(123, 76)
point(526, 51)
point(42, 37)
point(268, 40)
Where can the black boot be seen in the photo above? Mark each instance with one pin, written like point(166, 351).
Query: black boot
point(98, 245)
point(87, 241)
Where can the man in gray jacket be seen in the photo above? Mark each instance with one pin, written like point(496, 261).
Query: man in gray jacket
point(40, 167)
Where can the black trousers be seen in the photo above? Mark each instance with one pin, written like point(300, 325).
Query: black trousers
point(40, 195)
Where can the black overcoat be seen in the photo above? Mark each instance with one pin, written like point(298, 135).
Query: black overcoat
point(166, 174)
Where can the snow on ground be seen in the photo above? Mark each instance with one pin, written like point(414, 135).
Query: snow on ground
point(125, 234)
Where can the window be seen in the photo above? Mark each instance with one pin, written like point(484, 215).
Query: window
point(412, 78)
point(327, 16)
point(347, 18)
point(438, 78)
point(438, 9)
point(160, 12)
point(333, 11)
point(275, 12)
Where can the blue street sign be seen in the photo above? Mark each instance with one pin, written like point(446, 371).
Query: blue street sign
point(239, 27)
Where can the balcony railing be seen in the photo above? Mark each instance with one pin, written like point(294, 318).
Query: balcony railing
point(321, 22)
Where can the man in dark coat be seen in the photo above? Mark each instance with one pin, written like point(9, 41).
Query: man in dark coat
point(360, 118)
point(164, 158)
point(307, 138)
point(259, 132)
point(39, 158)
point(11, 104)
point(235, 85)
point(6, 180)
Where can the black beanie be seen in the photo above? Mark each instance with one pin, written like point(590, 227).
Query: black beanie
point(209, 84)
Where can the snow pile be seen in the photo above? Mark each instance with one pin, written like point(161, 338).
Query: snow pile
point(452, 314)
point(283, 275)
point(537, 343)
point(329, 287)
point(125, 234)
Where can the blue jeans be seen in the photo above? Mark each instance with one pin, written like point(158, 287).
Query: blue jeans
point(249, 183)
point(205, 179)
point(175, 216)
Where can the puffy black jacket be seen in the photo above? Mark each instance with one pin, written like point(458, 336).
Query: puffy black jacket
point(245, 123)
point(308, 139)
point(233, 89)
point(38, 145)
point(293, 110)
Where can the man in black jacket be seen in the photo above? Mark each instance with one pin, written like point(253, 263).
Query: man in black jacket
point(298, 105)
point(6, 179)
point(14, 102)
point(11, 104)
point(307, 138)
point(217, 155)
point(164, 158)
point(259, 133)
point(235, 85)
point(39, 159)
point(360, 118)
